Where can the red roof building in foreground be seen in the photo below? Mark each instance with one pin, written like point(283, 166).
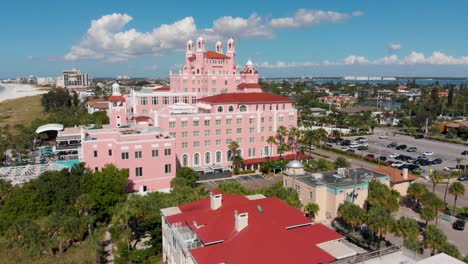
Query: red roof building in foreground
point(233, 229)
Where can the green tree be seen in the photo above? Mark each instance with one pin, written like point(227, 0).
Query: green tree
point(456, 189)
point(428, 213)
point(379, 220)
point(351, 214)
point(341, 162)
point(451, 250)
point(185, 176)
point(430, 199)
point(5, 190)
point(323, 165)
point(233, 188)
point(435, 179)
point(233, 147)
point(311, 209)
point(271, 140)
point(416, 191)
point(434, 239)
point(380, 194)
point(406, 228)
point(413, 243)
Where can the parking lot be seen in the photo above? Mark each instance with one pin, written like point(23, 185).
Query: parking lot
point(249, 181)
point(446, 151)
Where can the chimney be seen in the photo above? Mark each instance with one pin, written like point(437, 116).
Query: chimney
point(241, 220)
point(216, 200)
point(405, 173)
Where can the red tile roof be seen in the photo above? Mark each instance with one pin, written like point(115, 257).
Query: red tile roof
point(215, 55)
point(246, 98)
point(142, 118)
point(162, 89)
point(286, 157)
point(266, 238)
point(395, 174)
point(114, 98)
point(249, 85)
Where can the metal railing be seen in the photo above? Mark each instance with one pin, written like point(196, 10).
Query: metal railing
point(369, 255)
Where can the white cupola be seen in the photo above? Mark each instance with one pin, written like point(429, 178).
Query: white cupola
point(249, 63)
point(116, 89)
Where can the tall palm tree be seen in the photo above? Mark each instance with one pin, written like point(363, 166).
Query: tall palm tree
point(428, 214)
point(436, 177)
point(283, 147)
point(293, 137)
point(233, 147)
point(281, 133)
point(271, 140)
point(320, 134)
point(434, 238)
point(456, 189)
point(311, 209)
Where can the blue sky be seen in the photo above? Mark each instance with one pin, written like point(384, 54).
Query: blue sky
point(283, 38)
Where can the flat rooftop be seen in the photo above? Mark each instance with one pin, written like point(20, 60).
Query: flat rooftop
point(337, 179)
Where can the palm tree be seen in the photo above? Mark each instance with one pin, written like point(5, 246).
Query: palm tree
point(320, 134)
point(436, 177)
point(237, 161)
point(416, 191)
point(406, 227)
point(281, 133)
point(428, 214)
point(456, 189)
point(233, 147)
point(434, 238)
point(293, 137)
point(283, 147)
point(271, 140)
point(341, 162)
point(351, 214)
point(311, 209)
point(379, 220)
point(431, 199)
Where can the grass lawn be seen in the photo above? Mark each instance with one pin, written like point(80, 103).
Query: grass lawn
point(21, 111)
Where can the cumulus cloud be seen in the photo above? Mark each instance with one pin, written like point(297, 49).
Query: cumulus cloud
point(308, 17)
point(282, 64)
point(352, 59)
point(107, 39)
point(392, 47)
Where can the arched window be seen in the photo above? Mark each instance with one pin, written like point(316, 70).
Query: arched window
point(231, 108)
point(207, 158)
point(196, 159)
point(220, 109)
point(239, 152)
point(266, 151)
point(185, 160)
point(218, 156)
point(229, 155)
point(243, 108)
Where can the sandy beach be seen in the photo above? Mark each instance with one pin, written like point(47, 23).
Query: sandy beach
point(13, 90)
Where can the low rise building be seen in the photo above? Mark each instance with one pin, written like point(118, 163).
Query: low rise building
point(338, 101)
point(236, 229)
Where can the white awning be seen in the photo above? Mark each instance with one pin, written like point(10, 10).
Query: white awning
point(337, 249)
point(49, 127)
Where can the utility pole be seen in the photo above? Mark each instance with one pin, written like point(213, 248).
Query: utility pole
point(425, 131)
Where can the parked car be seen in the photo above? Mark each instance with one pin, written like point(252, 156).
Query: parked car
point(419, 136)
point(331, 140)
point(394, 155)
point(436, 161)
point(412, 149)
point(354, 145)
point(345, 142)
point(371, 156)
point(390, 162)
point(461, 167)
point(350, 150)
point(400, 147)
point(361, 139)
point(345, 148)
point(459, 225)
point(425, 163)
point(464, 153)
point(450, 169)
point(428, 153)
point(464, 177)
point(383, 136)
point(382, 158)
point(397, 164)
point(392, 145)
point(364, 145)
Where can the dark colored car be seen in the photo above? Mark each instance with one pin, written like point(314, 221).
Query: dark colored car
point(459, 225)
point(412, 149)
point(392, 145)
point(382, 158)
point(464, 177)
point(461, 167)
point(425, 163)
point(419, 136)
point(371, 156)
point(437, 161)
point(400, 147)
point(390, 162)
point(331, 140)
point(464, 153)
point(345, 142)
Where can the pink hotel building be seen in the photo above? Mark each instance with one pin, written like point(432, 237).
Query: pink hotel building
point(210, 103)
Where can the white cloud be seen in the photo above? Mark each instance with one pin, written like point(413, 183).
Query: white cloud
point(282, 64)
point(308, 17)
point(352, 59)
point(394, 47)
point(108, 40)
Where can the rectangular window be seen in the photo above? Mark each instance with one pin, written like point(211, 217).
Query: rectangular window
point(252, 140)
point(172, 134)
point(228, 131)
point(184, 145)
point(167, 152)
point(196, 123)
point(137, 154)
point(311, 195)
point(154, 100)
point(281, 119)
point(218, 122)
point(175, 99)
point(207, 122)
point(166, 100)
point(239, 121)
point(185, 98)
point(291, 118)
point(252, 130)
point(228, 141)
point(196, 133)
point(239, 131)
point(270, 128)
point(213, 82)
point(262, 129)
point(194, 99)
point(218, 142)
point(297, 188)
point(218, 132)
point(196, 144)
point(184, 134)
point(225, 82)
point(207, 143)
point(95, 153)
point(251, 120)
point(270, 118)
point(167, 168)
point(144, 100)
point(145, 112)
point(207, 133)
point(139, 171)
point(110, 152)
point(172, 124)
point(263, 120)
point(239, 141)
point(155, 152)
point(284, 106)
point(183, 123)
point(228, 121)
point(124, 155)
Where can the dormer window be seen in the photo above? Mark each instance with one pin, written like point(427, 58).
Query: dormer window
point(243, 108)
point(231, 108)
point(220, 109)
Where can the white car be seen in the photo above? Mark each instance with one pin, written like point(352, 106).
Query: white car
point(354, 145)
point(345, 148)
point(397, 164)
point(450, 169)
point(394, 155)
point(364, 145)
point(428, 153)
point(383, 136)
